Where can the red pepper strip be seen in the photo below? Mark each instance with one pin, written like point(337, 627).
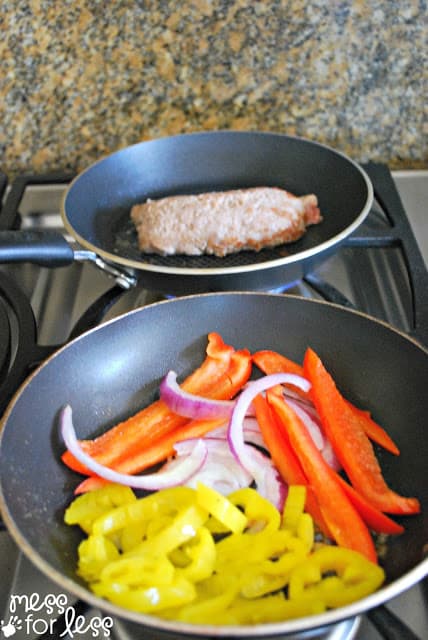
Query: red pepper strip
point(216, 363)
point(164, 434)
point(72, 463)
point(141, 429)
point(90, 484)
point(158, 451)
point(374, 519)
point(374, 431)
point(237, 375)
point(343, 520)
point(350, 443)
point(273, 362)
point(223, 387)
point(284, 458)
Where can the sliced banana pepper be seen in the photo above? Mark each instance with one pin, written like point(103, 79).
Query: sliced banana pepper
point(355, 577)
point(161, 554)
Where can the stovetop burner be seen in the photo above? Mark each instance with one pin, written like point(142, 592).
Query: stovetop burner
point(379, 270)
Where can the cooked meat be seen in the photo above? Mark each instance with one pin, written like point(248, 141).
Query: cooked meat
point(223, 222)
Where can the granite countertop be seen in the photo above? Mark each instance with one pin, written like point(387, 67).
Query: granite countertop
point(80, 80)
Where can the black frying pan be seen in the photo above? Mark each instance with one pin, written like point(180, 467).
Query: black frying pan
point(112, 371)
point(97, 204)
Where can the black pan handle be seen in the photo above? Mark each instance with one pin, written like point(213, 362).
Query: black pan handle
point(389, 626)
point(46, 248)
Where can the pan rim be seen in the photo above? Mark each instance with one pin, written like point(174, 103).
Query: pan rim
point(301, 256)
point(381, 596)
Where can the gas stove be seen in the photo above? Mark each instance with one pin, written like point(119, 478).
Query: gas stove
point(380, 269)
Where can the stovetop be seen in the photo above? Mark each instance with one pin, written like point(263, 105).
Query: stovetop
point(380, 269)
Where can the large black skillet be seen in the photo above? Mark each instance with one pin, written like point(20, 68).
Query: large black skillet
point(110, 372)
point(97, 203)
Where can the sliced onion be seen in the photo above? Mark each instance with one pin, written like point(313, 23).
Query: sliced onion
point(310, 424)
point(251, 431)
point(220, 432)
point(236, 430)
point(220, 471)
point(152, 482)
point(190, 405)
point(330, 457)
point(266, 476)
point(321, 442)
point(307, 405)
point(309, 416)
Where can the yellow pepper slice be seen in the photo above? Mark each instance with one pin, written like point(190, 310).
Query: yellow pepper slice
point(244, 548)
point(147, 599)
point(131, 535)
point(167, 502)
point(355, 577)
point(294, 507)
point(95, 552)
point(305, 531)
point(256, 583)
point(221, 508)
point(273, 608)
point(143, 570)
point(213, 597)
point(201, 553)
point(180, 529)
point(260, 512)
point(89, 506)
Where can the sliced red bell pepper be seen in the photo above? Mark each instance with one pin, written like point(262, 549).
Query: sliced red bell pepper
point(284, 458)
point(156, 419)
point(237, 375)
point(158, 451)
point(129, 446)
point(343, 520)
point(374, 519)
point(374, 431)
point(273, 362)
point(350, 443)
point(90, 484)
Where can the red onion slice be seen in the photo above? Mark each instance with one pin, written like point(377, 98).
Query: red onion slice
point(190, 405)
point(310, 424)
point(235, 433)
point(220, 471)
point(266, 476)
point(251, 431)
point(307, 405)
point(251, 459)
point(321, 442)
point(162, 479)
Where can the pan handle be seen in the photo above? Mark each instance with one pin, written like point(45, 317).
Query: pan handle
point(46, 248)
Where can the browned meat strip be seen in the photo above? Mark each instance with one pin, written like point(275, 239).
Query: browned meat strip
point(223, 222)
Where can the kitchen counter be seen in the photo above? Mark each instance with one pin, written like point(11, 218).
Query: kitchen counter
point(80, 80)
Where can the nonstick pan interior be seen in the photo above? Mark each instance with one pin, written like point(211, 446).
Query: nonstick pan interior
point(112, 371)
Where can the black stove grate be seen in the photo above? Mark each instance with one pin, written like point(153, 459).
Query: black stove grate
point(400, 235)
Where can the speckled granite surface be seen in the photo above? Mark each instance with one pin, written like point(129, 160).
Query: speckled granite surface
point(81, 79)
